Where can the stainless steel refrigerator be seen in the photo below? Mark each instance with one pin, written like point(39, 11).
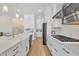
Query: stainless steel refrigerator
point(44, 33)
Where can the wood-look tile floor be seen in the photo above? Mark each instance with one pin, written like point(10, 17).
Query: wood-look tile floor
point(38, 49)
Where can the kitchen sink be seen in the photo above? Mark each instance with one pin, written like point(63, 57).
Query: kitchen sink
point(64, 38)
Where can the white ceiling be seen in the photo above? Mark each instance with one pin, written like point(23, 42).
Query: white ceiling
point(26, 8)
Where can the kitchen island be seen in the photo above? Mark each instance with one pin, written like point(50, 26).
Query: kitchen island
point(15, 46)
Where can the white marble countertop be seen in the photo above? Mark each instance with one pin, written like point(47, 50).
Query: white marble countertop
point(8, 42)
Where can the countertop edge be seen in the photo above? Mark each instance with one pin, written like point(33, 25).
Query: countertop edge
point(13, 43)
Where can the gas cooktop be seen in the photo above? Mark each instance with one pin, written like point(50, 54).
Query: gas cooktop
point(64, 38)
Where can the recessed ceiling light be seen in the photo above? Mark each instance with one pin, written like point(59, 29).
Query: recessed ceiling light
point(39, 10)
point(5, 8)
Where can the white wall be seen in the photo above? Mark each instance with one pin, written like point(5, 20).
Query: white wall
point(29, 21)
point(5, 24)
point(70, 31)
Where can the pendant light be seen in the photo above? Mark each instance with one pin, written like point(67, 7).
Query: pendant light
point(5, 8)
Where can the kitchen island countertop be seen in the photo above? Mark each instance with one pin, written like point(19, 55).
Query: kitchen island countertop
point(8, 42)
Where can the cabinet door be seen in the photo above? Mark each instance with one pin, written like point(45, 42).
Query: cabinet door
point(3, 54)
point(60, 50)
point(57, 49)
point(27, 45)
point(24, 47)
point(68, 52)
point(14, 51)
point(50, 44)
point(73, 47)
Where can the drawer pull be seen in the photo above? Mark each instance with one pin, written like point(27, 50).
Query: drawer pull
point(15, 48)
point(16, 53)
point(66, 51)
point(56, 50)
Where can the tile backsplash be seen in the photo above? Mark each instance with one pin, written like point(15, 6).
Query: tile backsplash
point(70, 31)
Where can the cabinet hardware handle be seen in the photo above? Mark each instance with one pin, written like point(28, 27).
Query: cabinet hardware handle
point(56, 50)
point(16, 53)
point(66, 51)
point(15, 48)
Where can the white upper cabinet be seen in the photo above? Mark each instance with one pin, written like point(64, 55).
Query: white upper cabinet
point(57, 23)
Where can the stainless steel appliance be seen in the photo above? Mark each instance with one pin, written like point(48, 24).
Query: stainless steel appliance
point(65, 39)
point(44, 33)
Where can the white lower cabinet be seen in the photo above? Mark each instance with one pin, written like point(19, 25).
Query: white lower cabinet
point(50, 44)
point(19, 49)
point(68, 52)
point(58, 49)
point(24, 47)
point(3, 54)
point(62, 50)
point(14, 51)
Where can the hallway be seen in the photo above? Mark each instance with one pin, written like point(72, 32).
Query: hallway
point(38, 49)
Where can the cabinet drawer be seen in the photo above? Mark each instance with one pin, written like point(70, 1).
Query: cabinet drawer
point(15, 50)
point(3, 54)
point(60, 50)
point(57, 50)
point(67, 52)
point(25, 47)
point(25, 43)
